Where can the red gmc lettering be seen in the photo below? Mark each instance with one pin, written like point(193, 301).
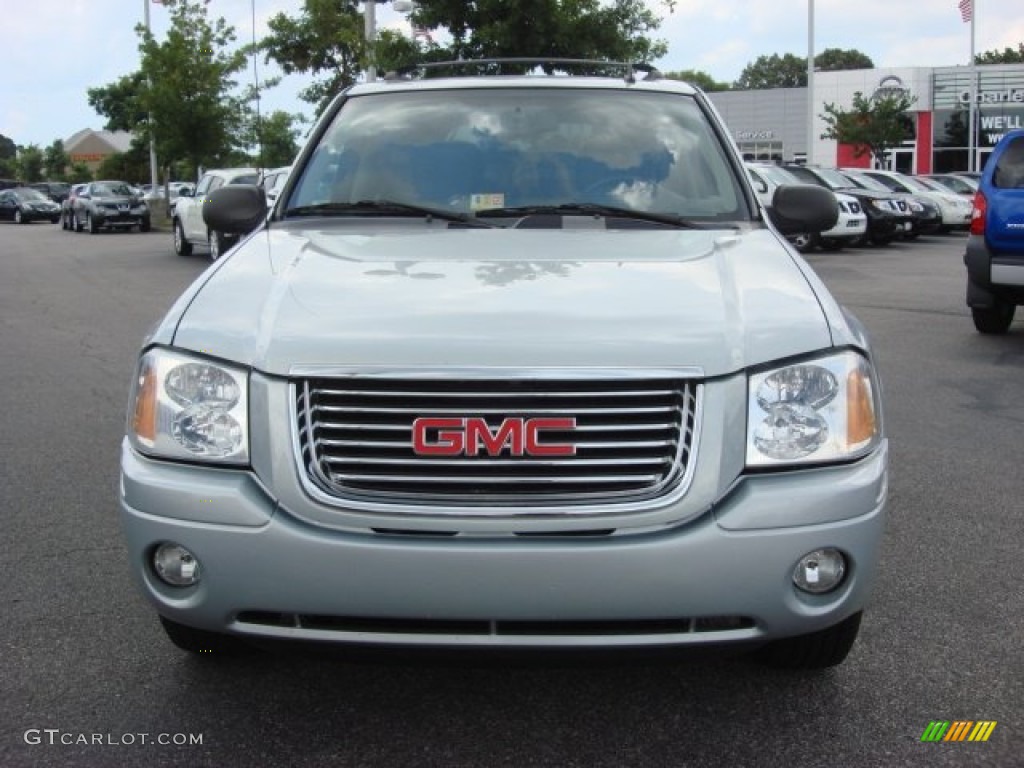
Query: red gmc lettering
point(455, 437)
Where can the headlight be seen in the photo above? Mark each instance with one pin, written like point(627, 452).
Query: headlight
point(915, 206)
point(882, 205)
point(189, 408)
point(810, 412)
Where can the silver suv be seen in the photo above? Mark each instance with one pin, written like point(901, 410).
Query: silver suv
point(515, 362)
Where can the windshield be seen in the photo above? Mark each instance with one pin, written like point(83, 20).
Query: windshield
point(112, 189)
point(477, 150)
point(867, 182)
point(778, 175)
point(31, 195)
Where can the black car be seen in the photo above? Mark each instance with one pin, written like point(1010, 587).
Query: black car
point(109, 204)
point(889, 217)
point(23, 206)
point(926, 217)
point(55, 190)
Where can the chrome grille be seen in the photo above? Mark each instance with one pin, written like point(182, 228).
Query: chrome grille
point(633, 439)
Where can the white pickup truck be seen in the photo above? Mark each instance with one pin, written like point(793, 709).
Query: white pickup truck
point(187, 212)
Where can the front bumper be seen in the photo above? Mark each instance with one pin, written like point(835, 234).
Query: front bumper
point(120, 219)
point(723, 577)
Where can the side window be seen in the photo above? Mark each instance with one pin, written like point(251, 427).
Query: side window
point(216, 182)
point(204, 185)
point(1009, 173)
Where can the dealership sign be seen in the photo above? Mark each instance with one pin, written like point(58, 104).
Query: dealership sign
point(1011, 95)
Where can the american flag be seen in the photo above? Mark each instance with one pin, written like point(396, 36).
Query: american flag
point(966, 9)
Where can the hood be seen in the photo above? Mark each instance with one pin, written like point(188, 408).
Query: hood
point(336, 294)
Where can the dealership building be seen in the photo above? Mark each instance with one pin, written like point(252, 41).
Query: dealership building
point(772, 125)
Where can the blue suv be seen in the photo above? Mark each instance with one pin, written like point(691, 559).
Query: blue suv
point(995, 247)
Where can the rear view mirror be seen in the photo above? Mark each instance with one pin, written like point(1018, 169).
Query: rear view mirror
point(799, 208)
point(236, 209)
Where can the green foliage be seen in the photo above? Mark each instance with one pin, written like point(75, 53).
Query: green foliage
point(8, 167)
point(120, 102)
point(30, 163)
point(187, 86)
point(55, 161)
point(279, 132)
point(786, 71)
point(1006, 56)
point(79, 173)
point(702, 80)
point(836, 59)
point(325, 39)
point(616, 30)
point(8, 149)
point(789, 71)
point(132, 166)
point(873, 125)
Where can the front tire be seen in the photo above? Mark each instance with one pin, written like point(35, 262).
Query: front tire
point(817, 650)
point(18, 217)
point(995, 319)
point(804, 242)
point(182, 246)
point(201, 642)
point(76, 223)
point(217, 245)
point(90, 224)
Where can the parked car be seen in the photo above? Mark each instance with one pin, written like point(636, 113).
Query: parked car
point(850, 227)
point(109, 205)
point(10, 184)
point(55, 190)
point(187, 212)
point(67, 207)
point(954, 182)
point(273, 182)
point(23, 205)
point(954, 210)
point(995, 246)
point(925, 217)
point(515, 362)
point(888, 216)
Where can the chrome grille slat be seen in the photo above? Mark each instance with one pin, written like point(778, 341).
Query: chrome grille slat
point(633, 439)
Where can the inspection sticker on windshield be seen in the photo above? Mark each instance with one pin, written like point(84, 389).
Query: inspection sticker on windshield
point(484, 202)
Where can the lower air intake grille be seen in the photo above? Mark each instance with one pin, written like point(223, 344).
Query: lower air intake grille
point(436, 441)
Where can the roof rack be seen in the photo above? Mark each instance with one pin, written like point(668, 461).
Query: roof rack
point(546, 63)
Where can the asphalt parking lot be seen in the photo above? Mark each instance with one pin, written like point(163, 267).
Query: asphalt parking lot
point(89, 678)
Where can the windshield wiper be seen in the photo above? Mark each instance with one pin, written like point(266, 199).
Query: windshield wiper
point(596, 209)
point(385, 206)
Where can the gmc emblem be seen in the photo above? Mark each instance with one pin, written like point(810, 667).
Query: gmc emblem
point(469, 436)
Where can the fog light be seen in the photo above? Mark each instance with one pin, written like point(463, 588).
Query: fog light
point(820, 571)
point(176, 565)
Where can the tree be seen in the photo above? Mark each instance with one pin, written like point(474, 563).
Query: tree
point(616, 30)
point(30, 163)
point(185, 86)
point(789, 71)
point(8, 167)
point(702, 80)
point(8, 149)
point(79, 173)
point(326, 39)
point(836, 59)
point(786, 71)
point(1006, 56)
point(120, 102)
point(132, 165)
point(279, 136)
point(874, 125)
point(55, 161)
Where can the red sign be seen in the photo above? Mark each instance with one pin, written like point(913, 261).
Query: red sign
point(438, 436)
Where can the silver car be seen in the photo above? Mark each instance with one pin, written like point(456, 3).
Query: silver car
point(515, 363)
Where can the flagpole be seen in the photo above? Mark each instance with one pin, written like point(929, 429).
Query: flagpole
point(152, 141)
point(972, 157)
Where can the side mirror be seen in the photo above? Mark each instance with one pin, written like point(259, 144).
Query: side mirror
point(800, 208)
point(184, 192)
point(236, 209)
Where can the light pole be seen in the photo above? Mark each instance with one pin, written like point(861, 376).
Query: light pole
point(810, 81)
point(370, 35)
point(152, 141)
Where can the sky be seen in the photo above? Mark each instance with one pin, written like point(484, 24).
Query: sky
point(53, 51)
